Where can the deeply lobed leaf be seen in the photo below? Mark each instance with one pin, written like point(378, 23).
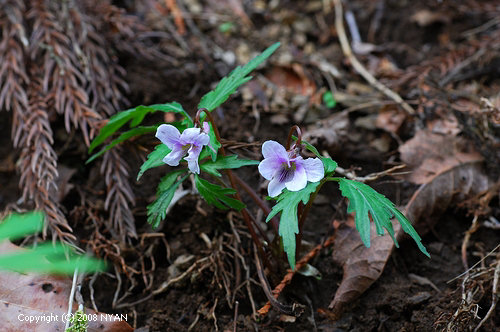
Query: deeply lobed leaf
point(157, 211)
point(288, 203)
point(225, 162)
point(217, 195)
point(122, 138)
point(135, 117)
point(366, 202)
point(154, 159)
point(228, 85)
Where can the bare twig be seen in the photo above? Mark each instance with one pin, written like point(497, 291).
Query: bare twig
point(71, 298)
point(346, 49)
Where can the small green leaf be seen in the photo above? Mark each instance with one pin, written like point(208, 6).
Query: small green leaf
point(329, 164)
point(228, 85)
point(288, 202)
point(365, 201)
point(329, 100)
point(122, 138)
point(135, 117)
point(217, 195)
point(225, 162)
point(157, 211)
point(226, 27)
point(155, 159)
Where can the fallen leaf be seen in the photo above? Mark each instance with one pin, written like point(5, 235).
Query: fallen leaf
point(363, 266)
point(29, 295)
point(390, 119)
point(292, 78)
point(428, 154)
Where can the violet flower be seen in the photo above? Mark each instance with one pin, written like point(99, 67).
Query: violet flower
point(190, 142)
point(287, 170)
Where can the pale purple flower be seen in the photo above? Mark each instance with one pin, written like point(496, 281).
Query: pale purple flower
point(190, 142)
point(287, 170)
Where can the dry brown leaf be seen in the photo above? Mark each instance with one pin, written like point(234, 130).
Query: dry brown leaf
point(428, 154)
point(363, 266)
point(29, 295)
point(292, 78)
point(390, 119)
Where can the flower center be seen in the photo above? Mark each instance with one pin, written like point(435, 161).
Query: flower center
point(286, 173)
point(186, 147)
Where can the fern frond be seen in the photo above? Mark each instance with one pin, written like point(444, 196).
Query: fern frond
point(38, 160)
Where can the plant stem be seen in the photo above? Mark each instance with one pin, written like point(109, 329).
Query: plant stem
point(260, 202)
point(244, 212)
point(305, 212)
point(290, 134)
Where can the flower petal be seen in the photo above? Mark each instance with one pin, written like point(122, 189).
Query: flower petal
point(274, 150)
point(299, 180)
point(201, 140)
point(168, 135)
point(314, 169)
point(269, 167)
point(189, 135)
point(275, 187)
point(192, 158)
point(174, 156)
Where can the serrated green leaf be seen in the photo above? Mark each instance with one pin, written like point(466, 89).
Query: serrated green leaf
point(366, 202)
point(135, 117)
point(226, 162)
point(228, 85)
point(217, 195)
point(157, 211)
point(155, 159)
point(122, 138)
point(288, 202)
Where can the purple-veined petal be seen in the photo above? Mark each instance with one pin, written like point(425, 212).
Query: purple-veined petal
point(189, 135)
point(314, 169)
point(269, 167)
point(174, 156)
point(299, 180)
point(192, 158)
point(275, 187)
point(168, 135)
point(274, 150)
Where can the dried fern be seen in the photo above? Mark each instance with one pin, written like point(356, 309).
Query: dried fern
point(38, 160)
point(69, 47)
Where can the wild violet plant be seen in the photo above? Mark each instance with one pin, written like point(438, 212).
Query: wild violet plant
point(294, 181)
